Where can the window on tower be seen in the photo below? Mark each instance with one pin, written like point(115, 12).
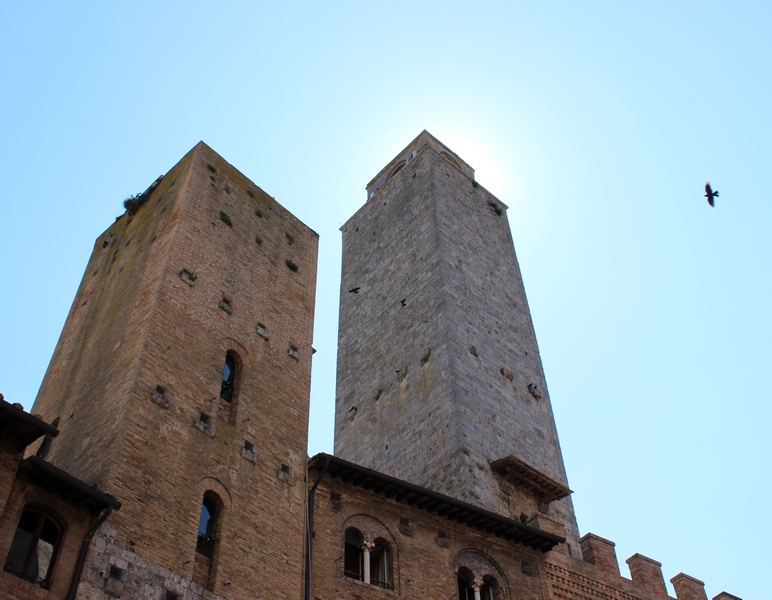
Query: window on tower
point(229, 377)
point(205, 563)
point(207, 524)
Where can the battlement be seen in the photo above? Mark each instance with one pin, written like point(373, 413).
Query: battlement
point(596, 567)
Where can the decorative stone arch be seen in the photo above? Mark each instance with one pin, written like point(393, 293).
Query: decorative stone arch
point(375, 535)
point(370, 527)
point(480, 568)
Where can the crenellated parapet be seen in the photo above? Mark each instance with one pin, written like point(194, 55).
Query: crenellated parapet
point(593, 573)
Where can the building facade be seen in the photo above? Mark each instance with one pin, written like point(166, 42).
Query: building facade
point(166, 458)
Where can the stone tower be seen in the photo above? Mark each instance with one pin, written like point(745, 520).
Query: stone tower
point(180, 383)
point(440, 382)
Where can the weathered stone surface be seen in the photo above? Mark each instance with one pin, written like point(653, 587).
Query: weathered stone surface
point(437, 350)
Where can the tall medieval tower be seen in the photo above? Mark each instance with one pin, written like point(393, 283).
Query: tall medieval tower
point(181, 380)
point(440, 382)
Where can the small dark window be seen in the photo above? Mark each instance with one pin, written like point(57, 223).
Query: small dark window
point(352, 561)
point(249, 447)
point(34, 548)
point(228, 377)
point(207, 524)
point(115, 572)
point(380, 564)
point(204, 418)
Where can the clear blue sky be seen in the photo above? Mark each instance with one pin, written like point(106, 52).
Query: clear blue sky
point(598, 123)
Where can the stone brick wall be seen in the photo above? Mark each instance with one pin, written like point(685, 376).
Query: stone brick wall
point(114, 572)
point(208, 264)
point(455, 373)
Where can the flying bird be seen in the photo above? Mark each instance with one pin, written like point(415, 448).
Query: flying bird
point(710, 194)
point(354, 290)
point(403, 302)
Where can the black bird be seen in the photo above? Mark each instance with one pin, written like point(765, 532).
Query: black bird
point(403, 302)
point(710, 194)
point(354, 290)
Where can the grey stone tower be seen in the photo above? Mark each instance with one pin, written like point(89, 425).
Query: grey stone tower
point(440, 381)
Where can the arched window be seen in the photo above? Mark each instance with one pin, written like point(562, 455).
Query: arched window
point(34, 547)
point(490, 588)
point(396, 170)
point(352, 562)
point(465, 581)
point(205, 563)
point(380, 564)
point(229, 376)
point(207, 524)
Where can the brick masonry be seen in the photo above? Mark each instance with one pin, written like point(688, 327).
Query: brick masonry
point(167, 293)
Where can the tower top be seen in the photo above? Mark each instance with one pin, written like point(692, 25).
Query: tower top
point(423, 140)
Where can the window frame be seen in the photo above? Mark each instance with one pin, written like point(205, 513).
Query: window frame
point(383, 556)
point(207, 541)
point(228, 386)
point(43, 516)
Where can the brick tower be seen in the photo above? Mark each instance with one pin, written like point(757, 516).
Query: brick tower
point(440, 382)
point(180, 383)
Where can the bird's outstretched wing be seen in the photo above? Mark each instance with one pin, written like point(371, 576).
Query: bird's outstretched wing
point(710, 194)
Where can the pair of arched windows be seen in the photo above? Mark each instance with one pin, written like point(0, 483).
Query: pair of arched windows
point(368, 561)
point(34, 547)
point(472, 588)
